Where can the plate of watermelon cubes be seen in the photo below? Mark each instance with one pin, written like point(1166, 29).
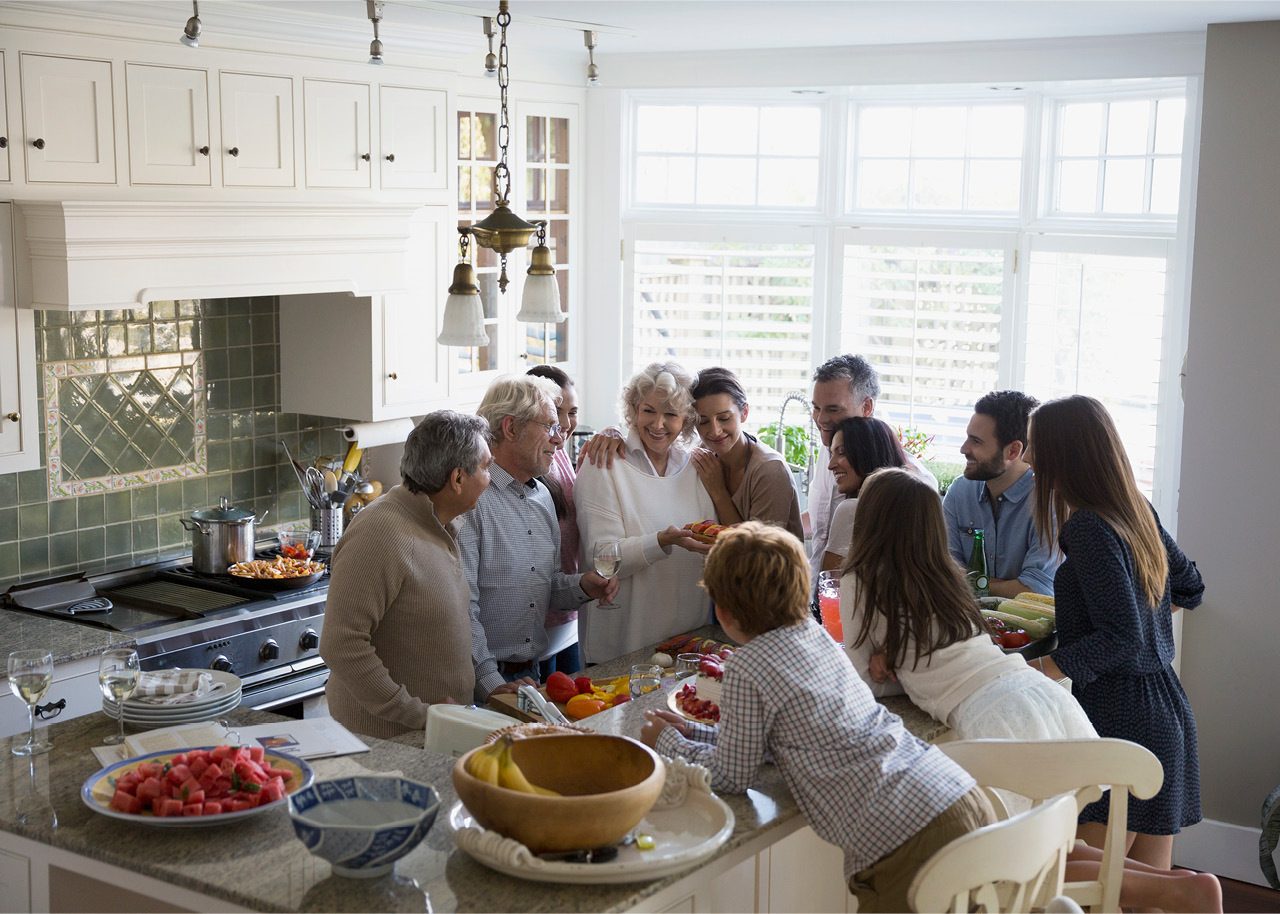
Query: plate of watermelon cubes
point(210, 785)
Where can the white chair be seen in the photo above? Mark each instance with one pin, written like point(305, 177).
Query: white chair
point(1005, 867)
point(1046, 768)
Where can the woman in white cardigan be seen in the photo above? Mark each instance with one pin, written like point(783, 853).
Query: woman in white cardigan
point(646, 503)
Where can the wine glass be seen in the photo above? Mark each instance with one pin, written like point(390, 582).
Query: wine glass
point(30, 675)
point(118, 677)
point(607, 556)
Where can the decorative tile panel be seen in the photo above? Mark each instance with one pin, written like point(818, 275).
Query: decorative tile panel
point(121, 423)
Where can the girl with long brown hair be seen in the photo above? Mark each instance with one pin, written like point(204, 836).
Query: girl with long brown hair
point(908, 612)
point(1115, 591)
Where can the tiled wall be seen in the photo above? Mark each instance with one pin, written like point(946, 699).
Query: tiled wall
point(238, 341)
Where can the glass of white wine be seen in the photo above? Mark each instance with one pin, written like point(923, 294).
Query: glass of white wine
point(30, 675)
point(118, 678)
point(607, 556)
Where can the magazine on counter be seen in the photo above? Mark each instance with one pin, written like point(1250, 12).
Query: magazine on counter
point(314, 737)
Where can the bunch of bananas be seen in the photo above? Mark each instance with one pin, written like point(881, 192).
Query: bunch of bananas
point(494, 765)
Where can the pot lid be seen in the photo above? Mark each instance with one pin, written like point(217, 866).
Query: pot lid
point(224, 514)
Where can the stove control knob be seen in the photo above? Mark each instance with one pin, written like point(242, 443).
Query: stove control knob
point(270, 650)
point(309, 641)
point(221, 664)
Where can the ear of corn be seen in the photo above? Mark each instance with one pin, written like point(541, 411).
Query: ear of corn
point(1030, 610)
point(1028, 596)
point(1036, 628)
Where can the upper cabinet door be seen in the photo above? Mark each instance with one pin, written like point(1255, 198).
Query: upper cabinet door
point(337, 133)
point(4, 127)
point(412, 132)
point(257, 130)
point(68, 120)
point(168, 125)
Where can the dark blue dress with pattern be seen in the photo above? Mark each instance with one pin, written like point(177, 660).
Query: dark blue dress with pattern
point(1117, 651)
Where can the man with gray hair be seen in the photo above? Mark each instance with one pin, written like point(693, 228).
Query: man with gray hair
point(843, 386)
point(397, 634)
point(510, 542)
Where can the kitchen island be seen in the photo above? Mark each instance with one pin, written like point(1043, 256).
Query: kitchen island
point(92, 862)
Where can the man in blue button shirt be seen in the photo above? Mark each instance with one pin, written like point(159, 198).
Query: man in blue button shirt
point(510, 541)
point(994, 495)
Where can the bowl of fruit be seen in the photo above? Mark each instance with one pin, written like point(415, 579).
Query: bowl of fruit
point(560, 792)
point(298, 544)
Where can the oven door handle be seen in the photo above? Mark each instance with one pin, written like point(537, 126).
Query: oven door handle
point(308, 663)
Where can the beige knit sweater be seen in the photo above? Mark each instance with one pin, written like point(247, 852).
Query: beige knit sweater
point(397, 629)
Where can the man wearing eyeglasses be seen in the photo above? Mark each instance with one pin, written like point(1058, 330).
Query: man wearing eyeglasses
point(510, 541)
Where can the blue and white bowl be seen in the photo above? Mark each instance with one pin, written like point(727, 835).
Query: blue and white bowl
point(363, 825)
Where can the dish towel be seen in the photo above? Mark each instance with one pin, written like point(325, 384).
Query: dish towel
point(174, 687)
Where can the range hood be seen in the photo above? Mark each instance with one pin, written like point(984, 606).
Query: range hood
point(108, 255)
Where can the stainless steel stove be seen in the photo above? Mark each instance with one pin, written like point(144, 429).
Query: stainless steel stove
point(181, 619)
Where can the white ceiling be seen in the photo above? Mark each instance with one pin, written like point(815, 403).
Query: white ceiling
point(649, 26)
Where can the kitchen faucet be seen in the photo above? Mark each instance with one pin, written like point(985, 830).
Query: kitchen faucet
point(779, 443)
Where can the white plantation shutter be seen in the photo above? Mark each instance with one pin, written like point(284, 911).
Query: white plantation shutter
point(1095, 326)
point(746, 306)
point(929, 317)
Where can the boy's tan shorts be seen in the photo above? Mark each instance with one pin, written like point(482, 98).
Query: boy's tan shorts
point(883, 885)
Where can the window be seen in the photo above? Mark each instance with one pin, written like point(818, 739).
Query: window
point(547, 153)
point(928, 317)
point(1095, 320)
point(727, 156)
point(940, 158)
point(744, 305)
point(1118, 158)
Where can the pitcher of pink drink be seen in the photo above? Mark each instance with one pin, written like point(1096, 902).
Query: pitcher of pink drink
point(829, 604)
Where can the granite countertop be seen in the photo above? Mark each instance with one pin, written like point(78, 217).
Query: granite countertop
point(67, 641)
point(258, 863)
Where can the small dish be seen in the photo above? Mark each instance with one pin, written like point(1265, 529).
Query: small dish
point(298, 544)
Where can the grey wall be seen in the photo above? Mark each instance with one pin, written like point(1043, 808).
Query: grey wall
point(1229, 515)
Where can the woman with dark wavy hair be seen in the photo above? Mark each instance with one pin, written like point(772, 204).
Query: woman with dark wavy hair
point(860, 445)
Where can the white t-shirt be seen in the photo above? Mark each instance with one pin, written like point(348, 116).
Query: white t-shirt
point(841, 533)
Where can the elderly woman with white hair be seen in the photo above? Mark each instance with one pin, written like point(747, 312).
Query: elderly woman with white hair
point(645, 503)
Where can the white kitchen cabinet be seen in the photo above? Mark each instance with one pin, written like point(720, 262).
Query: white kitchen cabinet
point(75, 682)
point(412, 134)
point(4, 126)
point(337, 134)
point(168, 125)
point(257, 130)
point(19, 423)
point(68, 120)
point(804, 873)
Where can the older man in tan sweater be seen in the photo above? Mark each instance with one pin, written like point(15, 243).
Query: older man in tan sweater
point(397, 629)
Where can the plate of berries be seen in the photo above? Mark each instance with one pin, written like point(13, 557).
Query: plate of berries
point(698, 698)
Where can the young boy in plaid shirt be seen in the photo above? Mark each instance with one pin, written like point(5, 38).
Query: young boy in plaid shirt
point(791, 696)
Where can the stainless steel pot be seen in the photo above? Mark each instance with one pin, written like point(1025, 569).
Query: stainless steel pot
point(221, 536)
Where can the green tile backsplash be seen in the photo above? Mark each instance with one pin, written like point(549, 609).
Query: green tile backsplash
point(130, 421)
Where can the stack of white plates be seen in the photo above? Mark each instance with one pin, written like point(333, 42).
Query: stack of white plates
point(148, 716)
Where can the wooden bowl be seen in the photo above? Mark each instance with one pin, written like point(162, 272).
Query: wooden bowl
point(607, 785)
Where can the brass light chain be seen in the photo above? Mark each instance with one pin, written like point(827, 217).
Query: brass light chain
point(501, 174)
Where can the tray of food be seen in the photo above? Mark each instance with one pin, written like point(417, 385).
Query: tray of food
point(1025, 624)
point(280, 573)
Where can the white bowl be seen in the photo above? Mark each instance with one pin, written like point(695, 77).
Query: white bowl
point(363, 825)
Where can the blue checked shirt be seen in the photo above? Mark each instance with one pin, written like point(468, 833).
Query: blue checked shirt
point(1014, 550)
point(510, 548)
point(863, 782)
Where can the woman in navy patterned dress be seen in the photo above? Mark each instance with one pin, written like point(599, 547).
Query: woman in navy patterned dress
point(1116, 590)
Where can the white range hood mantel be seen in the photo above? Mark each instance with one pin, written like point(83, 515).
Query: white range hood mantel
point(100, 255)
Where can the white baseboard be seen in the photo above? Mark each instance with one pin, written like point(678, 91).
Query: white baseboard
point(1222, 848)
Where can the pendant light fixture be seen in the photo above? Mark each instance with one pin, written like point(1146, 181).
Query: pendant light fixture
point(593, 72)
point(463, 311)
point(374, 9)
point(191, 34)
point(540, 300)
point(502, 231)
point(490, 59)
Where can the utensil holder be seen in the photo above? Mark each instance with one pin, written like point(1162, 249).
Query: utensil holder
point(329, 522)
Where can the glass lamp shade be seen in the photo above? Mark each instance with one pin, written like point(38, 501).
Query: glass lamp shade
point(540, 301)
point(463, 321)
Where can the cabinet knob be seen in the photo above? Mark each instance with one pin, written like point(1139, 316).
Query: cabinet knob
point(38, 142)
point(13, 416)
point(4, 142)
point(203, 150)
point(233, 151)
point(365, 156)
point(391, 156)
point(393, 376)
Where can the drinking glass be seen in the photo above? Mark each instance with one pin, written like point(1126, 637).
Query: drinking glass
point(687, 665)
point(30, 675)
point(118, 678)
point(607, 556)
point(645, 678)
point(829, 604)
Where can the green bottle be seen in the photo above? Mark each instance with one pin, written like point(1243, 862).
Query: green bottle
point(977, 573)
